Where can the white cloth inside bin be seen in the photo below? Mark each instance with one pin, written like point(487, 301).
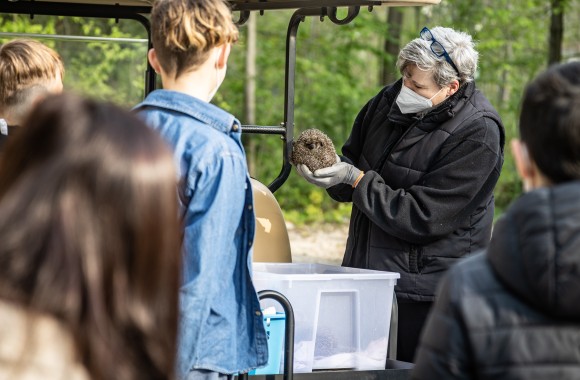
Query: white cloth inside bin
point(372, 357)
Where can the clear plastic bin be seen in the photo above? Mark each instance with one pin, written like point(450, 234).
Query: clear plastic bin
point(342, 314)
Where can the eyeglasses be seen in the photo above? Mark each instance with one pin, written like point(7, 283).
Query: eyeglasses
point(436, 47)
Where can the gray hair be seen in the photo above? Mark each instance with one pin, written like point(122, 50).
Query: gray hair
point(458, 45)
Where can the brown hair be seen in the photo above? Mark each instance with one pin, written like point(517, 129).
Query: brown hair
point(90, 234)
point(25, 64)
point(184, 31)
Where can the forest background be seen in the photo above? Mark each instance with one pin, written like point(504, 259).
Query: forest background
point(338, 69)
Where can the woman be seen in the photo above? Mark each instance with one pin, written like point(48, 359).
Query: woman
point(89, 260)
point(420, 166)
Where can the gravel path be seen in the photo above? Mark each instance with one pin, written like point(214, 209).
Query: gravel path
point(322, 243)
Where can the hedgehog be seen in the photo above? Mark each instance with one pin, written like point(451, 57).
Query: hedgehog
point(314, 149)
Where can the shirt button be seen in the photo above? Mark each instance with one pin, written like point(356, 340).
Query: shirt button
point(235, 127)
point(250, 207)
point(258, 313)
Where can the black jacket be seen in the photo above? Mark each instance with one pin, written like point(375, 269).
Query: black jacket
point(3, 138)
point(513, 313)
point(427, 195)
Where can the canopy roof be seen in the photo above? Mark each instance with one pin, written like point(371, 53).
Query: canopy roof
point(257, 4)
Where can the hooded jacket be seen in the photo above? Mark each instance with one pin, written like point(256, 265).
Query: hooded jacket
point(426, 198)
point(513, 312)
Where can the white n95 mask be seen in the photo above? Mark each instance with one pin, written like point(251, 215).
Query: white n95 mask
point(411, 102)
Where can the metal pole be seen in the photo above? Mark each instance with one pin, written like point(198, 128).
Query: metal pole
point(288, 331)
point(290, 74)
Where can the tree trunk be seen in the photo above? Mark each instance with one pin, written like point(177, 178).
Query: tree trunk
point(504, 89)
point(556, 32)
point(250, 90)
point(391, 46)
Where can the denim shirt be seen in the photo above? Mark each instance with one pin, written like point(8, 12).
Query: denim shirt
point(221, 326)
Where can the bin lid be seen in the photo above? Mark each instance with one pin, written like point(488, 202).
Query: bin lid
point(317, 272)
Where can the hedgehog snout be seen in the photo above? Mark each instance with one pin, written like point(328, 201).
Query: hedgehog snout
point(313, 145)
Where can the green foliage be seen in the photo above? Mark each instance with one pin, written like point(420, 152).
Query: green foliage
point(112, 70)
point(338, 67)
point(337, 71)
point(314, 207)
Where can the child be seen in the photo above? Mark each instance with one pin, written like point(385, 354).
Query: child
point(29, 71)
point(221, 326)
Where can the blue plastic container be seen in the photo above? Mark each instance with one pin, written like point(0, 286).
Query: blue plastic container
point(274, 325)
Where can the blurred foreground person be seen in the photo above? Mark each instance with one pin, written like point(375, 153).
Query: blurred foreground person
point(89, 259)
point(513, 311)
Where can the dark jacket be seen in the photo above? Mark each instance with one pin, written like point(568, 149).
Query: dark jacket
point(426, 198)
point(4, 137)
point(513, 312)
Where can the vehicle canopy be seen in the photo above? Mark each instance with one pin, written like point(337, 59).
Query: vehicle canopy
point(254, 5)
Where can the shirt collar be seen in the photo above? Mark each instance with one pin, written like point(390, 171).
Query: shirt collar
point(208, 113)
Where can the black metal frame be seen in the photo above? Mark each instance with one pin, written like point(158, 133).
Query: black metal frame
point(116, 12)
point(287, 129)
point(288, 333)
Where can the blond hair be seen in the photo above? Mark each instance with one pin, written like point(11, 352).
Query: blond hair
point(24, 65)
point(183, 32)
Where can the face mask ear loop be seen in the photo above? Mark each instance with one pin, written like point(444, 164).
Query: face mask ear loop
point(217, 76)
point(217, 70)
point(431, 98)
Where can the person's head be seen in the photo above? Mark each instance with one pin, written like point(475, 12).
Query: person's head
point(90, 234)
point(431, 75)
point(29, 71)
point(188, 34)
point(548, 152)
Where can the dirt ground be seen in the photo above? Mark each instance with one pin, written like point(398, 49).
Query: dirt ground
point(323, 243)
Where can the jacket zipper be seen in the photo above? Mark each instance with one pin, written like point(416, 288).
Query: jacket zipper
point(413, 260)
point(378, 168)
point(381, 163)
point(355, 241)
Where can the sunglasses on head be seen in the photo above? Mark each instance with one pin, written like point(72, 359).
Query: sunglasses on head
point(436, 47)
